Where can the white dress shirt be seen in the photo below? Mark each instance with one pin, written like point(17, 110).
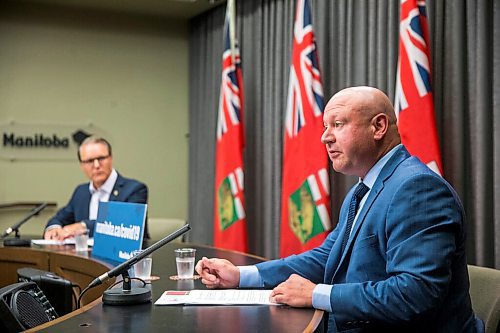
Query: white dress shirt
point(101, 194)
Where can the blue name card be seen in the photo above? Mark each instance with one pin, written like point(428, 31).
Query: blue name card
point(118, 230)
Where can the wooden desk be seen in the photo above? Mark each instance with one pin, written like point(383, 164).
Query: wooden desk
point(62, 260)
point(97, 317)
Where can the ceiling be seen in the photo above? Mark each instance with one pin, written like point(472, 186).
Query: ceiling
point(182, 9)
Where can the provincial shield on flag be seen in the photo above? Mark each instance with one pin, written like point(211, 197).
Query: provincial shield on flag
point(229, 200)
point(308, 215)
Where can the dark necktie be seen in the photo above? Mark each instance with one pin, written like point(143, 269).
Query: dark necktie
point(359, 193)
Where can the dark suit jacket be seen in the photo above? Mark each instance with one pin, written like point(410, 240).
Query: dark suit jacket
point(404, 268)
point(77, 209)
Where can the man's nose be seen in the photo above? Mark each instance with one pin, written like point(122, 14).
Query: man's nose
point(327, 137)
point(96, 163)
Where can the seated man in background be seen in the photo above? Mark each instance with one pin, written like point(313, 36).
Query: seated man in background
point(106, 184)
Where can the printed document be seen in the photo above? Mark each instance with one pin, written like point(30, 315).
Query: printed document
point(216, 297)
point(67, 241)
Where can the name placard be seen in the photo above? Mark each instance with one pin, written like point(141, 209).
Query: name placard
point(118, 230)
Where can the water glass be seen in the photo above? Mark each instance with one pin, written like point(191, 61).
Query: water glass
point(184, 259)
point(142, 269)
point(81, 240)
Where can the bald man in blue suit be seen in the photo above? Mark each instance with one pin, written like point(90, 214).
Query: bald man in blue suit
point(96, 161)
point(398, 263)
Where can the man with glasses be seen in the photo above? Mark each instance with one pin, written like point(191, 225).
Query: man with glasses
point(105, 184)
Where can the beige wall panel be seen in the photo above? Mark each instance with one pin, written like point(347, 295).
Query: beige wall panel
point(126, 75)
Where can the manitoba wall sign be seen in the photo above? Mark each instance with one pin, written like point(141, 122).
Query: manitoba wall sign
point(42, 141)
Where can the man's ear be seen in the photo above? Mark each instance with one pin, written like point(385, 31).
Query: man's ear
point(380, 125)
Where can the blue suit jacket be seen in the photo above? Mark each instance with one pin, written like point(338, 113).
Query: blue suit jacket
point(404, 268)
point(77, 209)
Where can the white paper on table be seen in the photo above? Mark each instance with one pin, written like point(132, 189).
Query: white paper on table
point(216, 297)
point(67, 241)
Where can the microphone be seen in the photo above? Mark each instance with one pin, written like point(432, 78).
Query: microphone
point(129, 295)
point(16, 241)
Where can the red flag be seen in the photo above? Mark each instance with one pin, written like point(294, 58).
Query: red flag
point(305, 201)
point(229, 213)
point(413, 99)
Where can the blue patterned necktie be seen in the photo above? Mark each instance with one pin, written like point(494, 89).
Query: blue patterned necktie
point(359, 193)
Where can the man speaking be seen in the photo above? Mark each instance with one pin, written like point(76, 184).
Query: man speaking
point(105, 184)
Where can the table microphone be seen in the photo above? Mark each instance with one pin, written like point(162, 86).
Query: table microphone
point(128, 295)
point(16, 241)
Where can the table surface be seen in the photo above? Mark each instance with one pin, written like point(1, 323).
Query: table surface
point(97, 317)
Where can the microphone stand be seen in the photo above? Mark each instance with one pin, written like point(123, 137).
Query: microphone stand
point(16, 241)
point(128, 295)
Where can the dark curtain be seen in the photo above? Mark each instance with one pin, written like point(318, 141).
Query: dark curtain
point(358, 45)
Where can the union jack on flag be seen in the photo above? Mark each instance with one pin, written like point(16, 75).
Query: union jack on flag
point(413, 98)
point(305, 91)
point(230, 94)
point(305, 205)
point(229, 200)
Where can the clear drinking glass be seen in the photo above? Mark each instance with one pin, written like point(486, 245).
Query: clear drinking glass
point(142, 269)
point(81, 240)
point(184, 259)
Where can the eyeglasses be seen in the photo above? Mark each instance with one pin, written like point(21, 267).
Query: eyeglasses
point(91, 161)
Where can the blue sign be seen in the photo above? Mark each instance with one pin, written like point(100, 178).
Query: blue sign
point(118, 230)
